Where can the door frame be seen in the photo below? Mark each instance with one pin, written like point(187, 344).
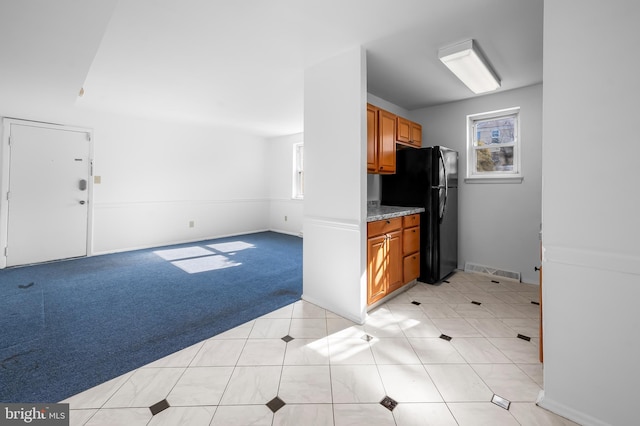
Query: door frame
point(5, 164)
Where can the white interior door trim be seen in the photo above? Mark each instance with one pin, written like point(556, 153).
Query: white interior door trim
point(5, 163)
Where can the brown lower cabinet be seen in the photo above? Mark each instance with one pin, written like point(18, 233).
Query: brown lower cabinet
point(393, 257)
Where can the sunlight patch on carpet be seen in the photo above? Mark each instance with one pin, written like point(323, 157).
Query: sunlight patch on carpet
point(182, 253)
point(231, 246)
point(203, 264)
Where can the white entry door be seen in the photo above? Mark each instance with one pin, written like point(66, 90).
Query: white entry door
point(48, 194)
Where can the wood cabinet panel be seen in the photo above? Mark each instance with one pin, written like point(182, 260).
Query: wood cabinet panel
point(395, 265)
point(383, 226)
point(372, 138)
point(408, 132)
point(410, 240)
point(376, 268)
point(393, 255)
point(416, 135)
point(386, 142)
point(411, 267)
point(411, 220)
point(403, 130)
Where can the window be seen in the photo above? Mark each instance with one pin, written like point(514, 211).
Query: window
point(298, 170)
point(494, 146)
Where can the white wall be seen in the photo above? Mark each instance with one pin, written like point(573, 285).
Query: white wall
point(334, 250)
point(591, 284)
point(157, 176)
point(280, 162)
point(499, 223)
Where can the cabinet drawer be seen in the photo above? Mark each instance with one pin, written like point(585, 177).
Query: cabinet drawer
point(411, 220)
point(411, 240)
point(411, 267)
point(383, 226)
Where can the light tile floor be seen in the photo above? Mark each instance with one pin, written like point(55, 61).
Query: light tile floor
point(336, 372)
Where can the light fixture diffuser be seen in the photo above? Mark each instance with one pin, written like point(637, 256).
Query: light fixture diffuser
point(466, 61)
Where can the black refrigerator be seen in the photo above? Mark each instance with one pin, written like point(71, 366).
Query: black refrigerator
point(428, 177)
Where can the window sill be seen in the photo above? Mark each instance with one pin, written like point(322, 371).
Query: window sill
point(494, 179)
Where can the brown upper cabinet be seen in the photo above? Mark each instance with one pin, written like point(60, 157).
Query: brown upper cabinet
point(384, 130)
point(408, 132)
point(381, 141)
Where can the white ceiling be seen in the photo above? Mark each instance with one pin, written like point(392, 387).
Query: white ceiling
point(241, 63)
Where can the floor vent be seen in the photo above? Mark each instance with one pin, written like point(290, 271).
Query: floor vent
point(480, 269)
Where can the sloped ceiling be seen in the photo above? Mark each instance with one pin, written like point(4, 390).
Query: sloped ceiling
point(241, 63)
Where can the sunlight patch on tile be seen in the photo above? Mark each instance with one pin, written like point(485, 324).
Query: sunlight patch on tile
point(204, 264)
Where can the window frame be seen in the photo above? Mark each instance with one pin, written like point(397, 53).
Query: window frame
point(497, 176)
point(298, 171)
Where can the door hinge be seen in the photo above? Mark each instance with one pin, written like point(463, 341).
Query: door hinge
point(6, 251)
point(88, 137)
point(8, 195)
point(9, 140)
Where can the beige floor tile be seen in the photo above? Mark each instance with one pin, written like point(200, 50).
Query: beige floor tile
point(192, 416)
point(309, 414)
point(476, 414)
point(242, 415)
point(218, 352)
point(458, 383)
point(362, 414)
point(531, 415)
point(508, 381)
point(305, 384)
point(200, 386)
point(120, 416)
point(408, 383)
point(393, 351)
point(478, 350)
point(307, 352)
point(436, 351)
point(356, 384)
point(436, 414)
point(145, 387)
point(252, 385)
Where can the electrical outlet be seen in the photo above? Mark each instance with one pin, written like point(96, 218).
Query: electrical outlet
point(191, 224)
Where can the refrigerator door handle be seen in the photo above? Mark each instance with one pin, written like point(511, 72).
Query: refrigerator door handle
point(446, 186)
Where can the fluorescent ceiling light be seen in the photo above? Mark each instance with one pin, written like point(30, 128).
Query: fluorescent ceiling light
point(467, 62)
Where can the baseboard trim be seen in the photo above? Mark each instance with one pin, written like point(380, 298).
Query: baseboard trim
point(568, 412)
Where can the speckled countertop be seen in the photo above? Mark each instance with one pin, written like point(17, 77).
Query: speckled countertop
point(378, 212)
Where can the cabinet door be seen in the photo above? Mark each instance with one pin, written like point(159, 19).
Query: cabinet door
point(376, 268)
point(386, 142)
point(394, 261)
point(372, 138)
point(411, 267)
point(411, 240)
point(403, 130)
point(416, 135)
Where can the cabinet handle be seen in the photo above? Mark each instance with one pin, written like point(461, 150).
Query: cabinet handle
point(388, 221)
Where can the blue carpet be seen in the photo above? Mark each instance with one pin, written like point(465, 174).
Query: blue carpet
point(68, 326)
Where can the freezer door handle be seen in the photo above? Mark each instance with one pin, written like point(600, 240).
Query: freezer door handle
point(446, 186)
